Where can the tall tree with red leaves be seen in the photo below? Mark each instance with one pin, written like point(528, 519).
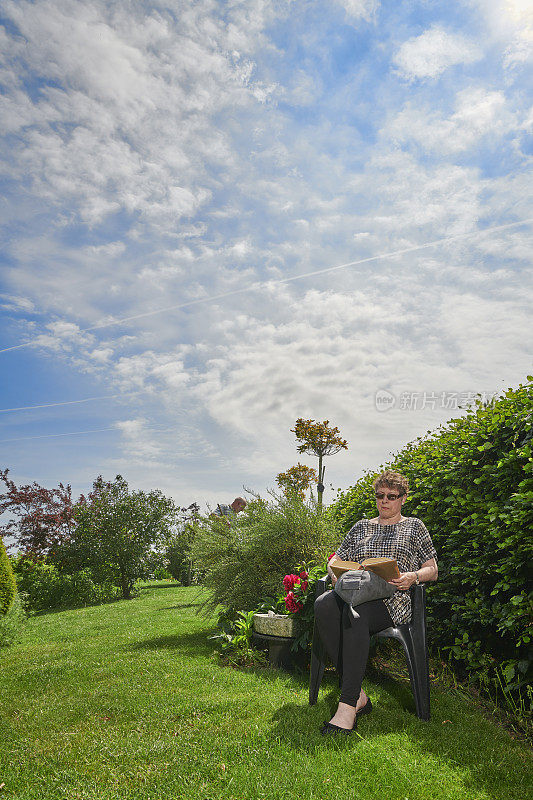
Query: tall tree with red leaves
point(41, 519)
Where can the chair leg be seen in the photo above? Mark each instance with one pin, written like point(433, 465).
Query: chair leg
point(318, 664)
point(419, 675)
point(423, 706)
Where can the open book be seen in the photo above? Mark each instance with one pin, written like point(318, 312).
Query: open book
point(386, 568)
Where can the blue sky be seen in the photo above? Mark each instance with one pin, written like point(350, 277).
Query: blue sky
point(182, 186)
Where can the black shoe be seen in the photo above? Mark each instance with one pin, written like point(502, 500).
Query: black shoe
point(328, 729)
point(367, 708)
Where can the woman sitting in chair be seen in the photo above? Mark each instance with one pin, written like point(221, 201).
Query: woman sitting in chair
point(346, 632)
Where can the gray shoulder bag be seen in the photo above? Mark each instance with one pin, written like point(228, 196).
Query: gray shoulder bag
point(361, 585)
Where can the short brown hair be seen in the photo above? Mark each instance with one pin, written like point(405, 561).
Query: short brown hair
point(392, 480)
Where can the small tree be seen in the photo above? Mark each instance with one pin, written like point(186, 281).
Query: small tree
point(41, 518)
point(179, 549)
point(117, 530)
point(8, 586)
point(297, 479)
point(321, 440)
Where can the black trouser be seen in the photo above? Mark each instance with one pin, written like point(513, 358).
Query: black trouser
point(345, 633)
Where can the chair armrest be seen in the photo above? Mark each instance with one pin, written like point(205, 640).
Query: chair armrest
point(418, 600)
point(321, 585)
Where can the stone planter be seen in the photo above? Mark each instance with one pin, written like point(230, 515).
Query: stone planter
point(278, 631)
point(277, 625)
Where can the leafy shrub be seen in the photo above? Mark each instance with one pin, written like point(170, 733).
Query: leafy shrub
point(179, 562)
point(11, 623)
point(8, 586)
point(155, 567)
point(162, 574)
point(235, 640)
point(244, 562)
point(46, 587)
point(472, 484)
point(178, 551)
point(178, 554)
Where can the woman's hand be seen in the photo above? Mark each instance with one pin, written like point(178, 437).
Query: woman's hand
point(330, 571)
point(405, 581)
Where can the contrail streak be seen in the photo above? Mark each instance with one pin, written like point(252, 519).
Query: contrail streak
point(62, 403)
point(115, 428)
point(264, 284)
point(54, 435)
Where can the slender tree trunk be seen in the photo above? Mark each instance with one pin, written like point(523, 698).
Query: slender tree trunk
point(125, 585)
point(320, 486)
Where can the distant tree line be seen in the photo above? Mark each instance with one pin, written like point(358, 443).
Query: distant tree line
point(96, 547)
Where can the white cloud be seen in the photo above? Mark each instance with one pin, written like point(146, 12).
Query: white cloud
point(212, 160)
point(65, 338)
point(13, 303)
point(102, 354)
point(303, 90)
point(111, 249)
point(360, 9)
point(151, 370)
point(140, 442)
point(131, 121)
point(520, 51)
point(323, 354)
point(434, 51)
point(510, 26)
point(478, 113)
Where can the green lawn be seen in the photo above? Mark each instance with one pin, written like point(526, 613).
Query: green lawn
point(127, 701)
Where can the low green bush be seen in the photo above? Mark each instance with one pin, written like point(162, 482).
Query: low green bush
point(244, 562)
point(8, 586)
point(235, 640)
point(472, 485)
point(11, 624)
point(47, 588)
point(178, 556)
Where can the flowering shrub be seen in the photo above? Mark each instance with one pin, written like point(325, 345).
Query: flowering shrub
point(292, 604)
point(299, 598)
point(296, 588)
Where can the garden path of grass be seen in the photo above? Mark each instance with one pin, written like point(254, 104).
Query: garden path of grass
point(127, 701)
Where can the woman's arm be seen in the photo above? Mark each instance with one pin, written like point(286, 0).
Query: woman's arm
point(330, 571)
point(427, 572)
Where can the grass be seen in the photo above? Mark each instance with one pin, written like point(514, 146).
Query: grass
point(126, 700)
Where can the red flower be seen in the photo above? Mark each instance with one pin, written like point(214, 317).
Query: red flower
point(303, 585)
point(304, 574)
point(331, 556)
point(292, 604)
point(289, 581)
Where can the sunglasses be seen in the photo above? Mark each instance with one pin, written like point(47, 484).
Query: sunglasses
point(381, 495)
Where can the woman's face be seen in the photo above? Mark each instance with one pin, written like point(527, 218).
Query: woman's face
point(389, 502)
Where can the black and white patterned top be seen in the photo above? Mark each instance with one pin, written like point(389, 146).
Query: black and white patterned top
point(408, 541)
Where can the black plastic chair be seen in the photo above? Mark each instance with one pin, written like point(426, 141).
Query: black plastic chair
point(412, 635)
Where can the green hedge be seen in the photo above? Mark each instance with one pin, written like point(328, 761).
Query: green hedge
point(45, 587)
point(472, 484)
point(8, 586)
point(12, 623)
